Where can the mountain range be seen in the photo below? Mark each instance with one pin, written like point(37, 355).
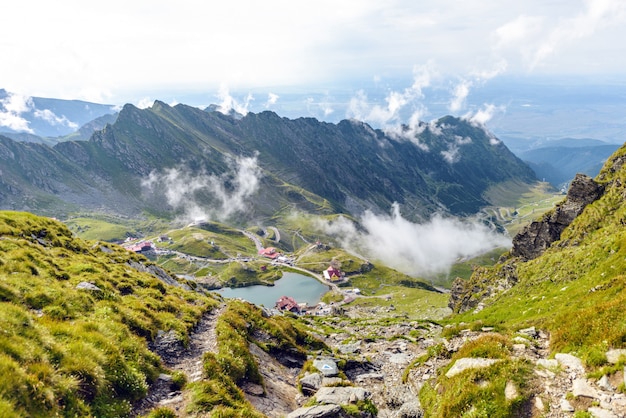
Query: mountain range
point(49, 121)
point(190, 162)
point(91, 329)
point(558, 161)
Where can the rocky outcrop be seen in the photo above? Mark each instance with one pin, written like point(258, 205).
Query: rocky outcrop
point(539, 235)
point(470, 294)
point(527, 245)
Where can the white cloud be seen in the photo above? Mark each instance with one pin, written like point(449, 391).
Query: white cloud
point(484, 114)
point(452, 154)
point(272, 98)
point(145, 103)
point(50, 117)
point(229, 192)
point(544, 38)
point(388, 117)
point(461, 91)
point(477, 77)
point(415, 249)
point(229, 103)
point(359, 108)
point(518, 31)
point(11, 108)
point(313, 43)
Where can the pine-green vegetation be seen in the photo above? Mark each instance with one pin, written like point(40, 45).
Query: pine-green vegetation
point(72, 351)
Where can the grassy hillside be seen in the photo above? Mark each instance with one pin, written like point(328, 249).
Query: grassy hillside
point(73, 351)
point(575, 292)
point(77, 319)
point(576, 288)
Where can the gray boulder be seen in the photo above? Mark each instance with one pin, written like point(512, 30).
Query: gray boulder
point(326, 366)
point(311, 383)
point(88, 286)
point(410, 410)
point(341, 395)
point(317, 411)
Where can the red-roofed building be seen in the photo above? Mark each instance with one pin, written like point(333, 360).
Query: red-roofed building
point(332, 274)
point(287, 303)
point(269, 252)
point(140, 247)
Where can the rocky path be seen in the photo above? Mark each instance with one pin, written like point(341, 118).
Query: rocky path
point(380, 356)
point(178, 358)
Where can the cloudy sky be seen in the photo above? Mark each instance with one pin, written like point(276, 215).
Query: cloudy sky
point(126, 51)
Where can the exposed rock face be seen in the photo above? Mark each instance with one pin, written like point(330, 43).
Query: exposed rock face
point(539, 235)
point(469, 294)
point(527, 245)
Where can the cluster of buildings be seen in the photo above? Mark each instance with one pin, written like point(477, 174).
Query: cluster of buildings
point(139, 247)
point(331, 274)
point(274, 255)
point(289, 304)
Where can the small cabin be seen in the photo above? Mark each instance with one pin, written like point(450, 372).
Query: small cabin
point(287, 303)
point(332, 274)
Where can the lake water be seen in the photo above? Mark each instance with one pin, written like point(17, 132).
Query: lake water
point(300, 287)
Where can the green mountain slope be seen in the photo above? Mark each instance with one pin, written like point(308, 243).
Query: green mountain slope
point(87, 329)
point(575, 288)
point(302, 163)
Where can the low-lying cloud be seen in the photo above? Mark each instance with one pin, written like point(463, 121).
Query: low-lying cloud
point(203, 196)
point(415, 249)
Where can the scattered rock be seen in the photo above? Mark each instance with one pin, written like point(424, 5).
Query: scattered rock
point(530, 332)
point(613, 356)
point(341, 395)
point(157, 272)
point(604, 383)
point(253, 389)
point(353, 348)
point(601, 413)
point(510, 391)
point(317, 411)
point(566, 406)
point(332, 381)
point(569, 361)
point(581, 387)
point(88, 286)
point(165, 377)
point(410, 410)
point(311, 383)
point(397, 395)
point(548, 363)
point(463, 364)
point(327, 366)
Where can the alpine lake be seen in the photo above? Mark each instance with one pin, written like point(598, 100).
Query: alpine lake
point(300, 287)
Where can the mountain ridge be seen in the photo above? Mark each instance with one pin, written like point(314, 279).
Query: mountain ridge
point(350, 165)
